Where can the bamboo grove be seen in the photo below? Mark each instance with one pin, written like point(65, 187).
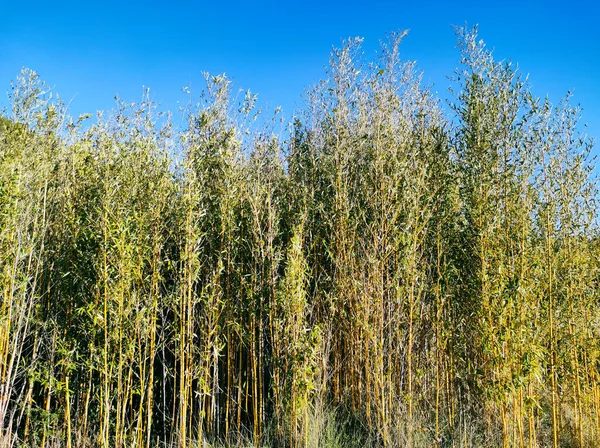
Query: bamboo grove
point(393, 273)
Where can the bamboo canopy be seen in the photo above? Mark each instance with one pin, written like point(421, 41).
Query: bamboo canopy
point(392, 273)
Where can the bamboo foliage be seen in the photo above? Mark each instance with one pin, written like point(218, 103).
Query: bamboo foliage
point(391, 273)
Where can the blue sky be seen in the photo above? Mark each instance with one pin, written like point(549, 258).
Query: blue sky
point(90, 51)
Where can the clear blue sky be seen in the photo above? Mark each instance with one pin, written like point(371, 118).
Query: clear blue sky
point(89, 51)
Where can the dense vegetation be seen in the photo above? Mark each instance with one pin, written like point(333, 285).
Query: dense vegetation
point(392, 274)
